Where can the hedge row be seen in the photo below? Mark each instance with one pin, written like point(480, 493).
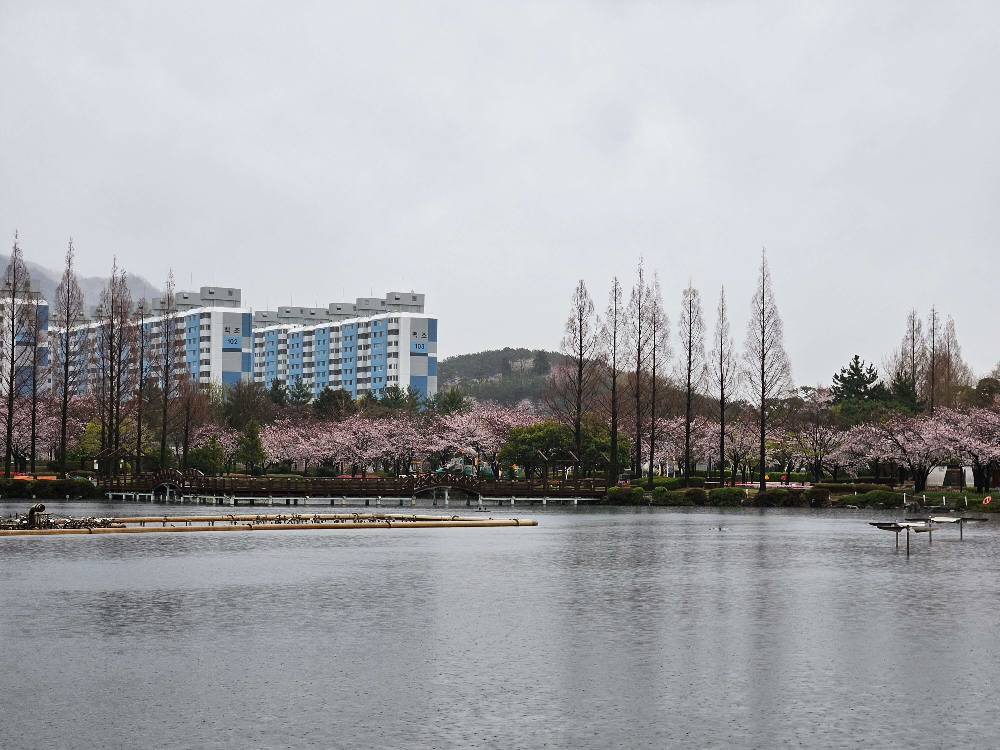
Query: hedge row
point(792, 497)
point(734, 496)
point(691, 496)
point(49, 489)
point(625, 495)
point(676, 483)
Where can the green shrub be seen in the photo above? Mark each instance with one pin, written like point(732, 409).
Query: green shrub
point(794, 498)
point(818, 497)
point(663, 496)
point(613, 495)
point(625, 495)
point(696, 495)
point(677, 483)
point(48, 489)
point(726, 496)
point(888, 498)
point(768, 499)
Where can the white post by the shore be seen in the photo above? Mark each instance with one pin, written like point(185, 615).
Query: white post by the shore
point(446, 497)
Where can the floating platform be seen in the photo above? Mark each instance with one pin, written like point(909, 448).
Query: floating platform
point(46, 525)
point(925, 525)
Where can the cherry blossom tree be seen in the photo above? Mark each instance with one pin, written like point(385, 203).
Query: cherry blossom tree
point(816, 439)
point(742, 443)
point(919, 443)
point(974, 436)
point(361, 442)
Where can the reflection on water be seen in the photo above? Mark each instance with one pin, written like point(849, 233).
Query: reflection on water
point(595, 629)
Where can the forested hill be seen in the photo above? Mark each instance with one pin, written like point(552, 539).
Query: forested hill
point(503, 375)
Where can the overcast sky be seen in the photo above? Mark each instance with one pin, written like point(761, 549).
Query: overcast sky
point(492, 154)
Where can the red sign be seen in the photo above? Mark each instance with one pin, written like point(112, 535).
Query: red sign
point(987, 500)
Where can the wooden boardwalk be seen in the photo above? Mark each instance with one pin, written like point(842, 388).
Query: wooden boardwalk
point(193, 483)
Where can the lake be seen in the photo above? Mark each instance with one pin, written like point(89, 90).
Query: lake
point(598, 628)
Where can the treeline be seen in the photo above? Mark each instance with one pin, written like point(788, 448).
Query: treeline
point(687, 395)
point(506, 376)
point(119, 392)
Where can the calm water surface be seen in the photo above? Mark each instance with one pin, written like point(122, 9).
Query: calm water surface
point(595, 629)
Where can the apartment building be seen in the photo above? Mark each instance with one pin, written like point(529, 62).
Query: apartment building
point(359, 355)
point(219, 341)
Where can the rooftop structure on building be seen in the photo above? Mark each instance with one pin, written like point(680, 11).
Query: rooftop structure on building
point(207, 296)
point(362, 307)
point(32, 290)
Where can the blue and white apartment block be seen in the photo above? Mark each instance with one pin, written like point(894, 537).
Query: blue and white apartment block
point(362, 347)
point(359, 355)
point(31, 298)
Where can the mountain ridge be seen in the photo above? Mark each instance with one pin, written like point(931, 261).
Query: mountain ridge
point(91, 286)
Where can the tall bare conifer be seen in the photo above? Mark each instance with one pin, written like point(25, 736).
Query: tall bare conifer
point(724, 373)
point(766, 368)
point(638, 344)
point(14, 304)
point(170, 356)
point(658, 326)
point(613, 335)
point(69, 314)
point(574, 383)
point(691, 364)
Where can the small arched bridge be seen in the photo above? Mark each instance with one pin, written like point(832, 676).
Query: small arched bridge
point(196, 483)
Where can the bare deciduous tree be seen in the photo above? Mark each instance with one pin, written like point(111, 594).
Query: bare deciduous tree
point(13, 306)
point(113, 353)
point(613, 344)
point(170, 355)
point(658, 326)
point(954, 369)
point(933, 332)
point(571, 388)
point(194, 408)
point(638, 344)
point(913, 348)
point(68, 351)
point(34, 328)
point(766, 367)
point(724, 373)
point(141, 337)
point(691, 364)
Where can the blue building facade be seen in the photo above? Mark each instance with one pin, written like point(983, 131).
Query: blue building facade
point(363, 355)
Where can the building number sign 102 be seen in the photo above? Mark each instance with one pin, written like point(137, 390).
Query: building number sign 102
point(233, 341)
